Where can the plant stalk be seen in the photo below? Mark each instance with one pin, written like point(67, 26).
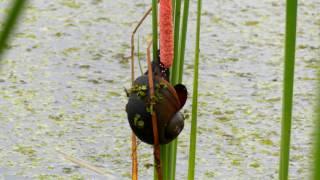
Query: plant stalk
point(183, 38)
point(10, 23)
point(174, 69)
point(156, 145)
point(316, 148)
point(155, 29)
point(290, 42)
point(193, 133)
point(178, 79)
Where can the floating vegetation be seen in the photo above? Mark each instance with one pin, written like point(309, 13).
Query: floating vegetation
point(239, 90)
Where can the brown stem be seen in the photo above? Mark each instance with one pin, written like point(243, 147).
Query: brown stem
point(156, 146)
point(132, 40)
point(134, 155)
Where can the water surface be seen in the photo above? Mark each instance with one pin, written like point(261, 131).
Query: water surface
point(61, 87)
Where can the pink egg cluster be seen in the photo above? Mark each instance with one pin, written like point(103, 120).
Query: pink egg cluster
point(166, 33)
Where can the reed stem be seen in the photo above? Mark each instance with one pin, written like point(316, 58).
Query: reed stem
point(134, 154)
point(10, 22)
point(174, 69)
point(156, 145)
point(183, 38)
point(170, 151)
point(155, 29)
point(290, 42)
point(316, 155)
point(193, 133)
point(177, 78)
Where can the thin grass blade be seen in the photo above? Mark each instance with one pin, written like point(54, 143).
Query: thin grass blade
point(316, 158)
point(193, 134)
point(154, 29)
point(10, 22)
point(174, 69)
point(290, 43)
point(178, 79)
point(183, 38)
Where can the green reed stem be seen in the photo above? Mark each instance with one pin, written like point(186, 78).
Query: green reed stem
point(168, 150)
point(155, 29)
point(183, 38)
point(177, 70)
point(290, 42)
point(164, 160)
point(173, 7)
point(316, 170)
point(172, 158)
point(193, 134)
point(316, 158)
point(174, 70)
point(10, 22)
point(178, 79)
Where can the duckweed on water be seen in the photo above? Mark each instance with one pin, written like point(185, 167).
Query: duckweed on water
point(71, 4)
point(25, 150)
point(238, 99)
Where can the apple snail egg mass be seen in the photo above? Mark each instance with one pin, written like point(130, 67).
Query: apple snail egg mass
point(168, 102)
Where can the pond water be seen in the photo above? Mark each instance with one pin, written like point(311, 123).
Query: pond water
point(61, 89)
